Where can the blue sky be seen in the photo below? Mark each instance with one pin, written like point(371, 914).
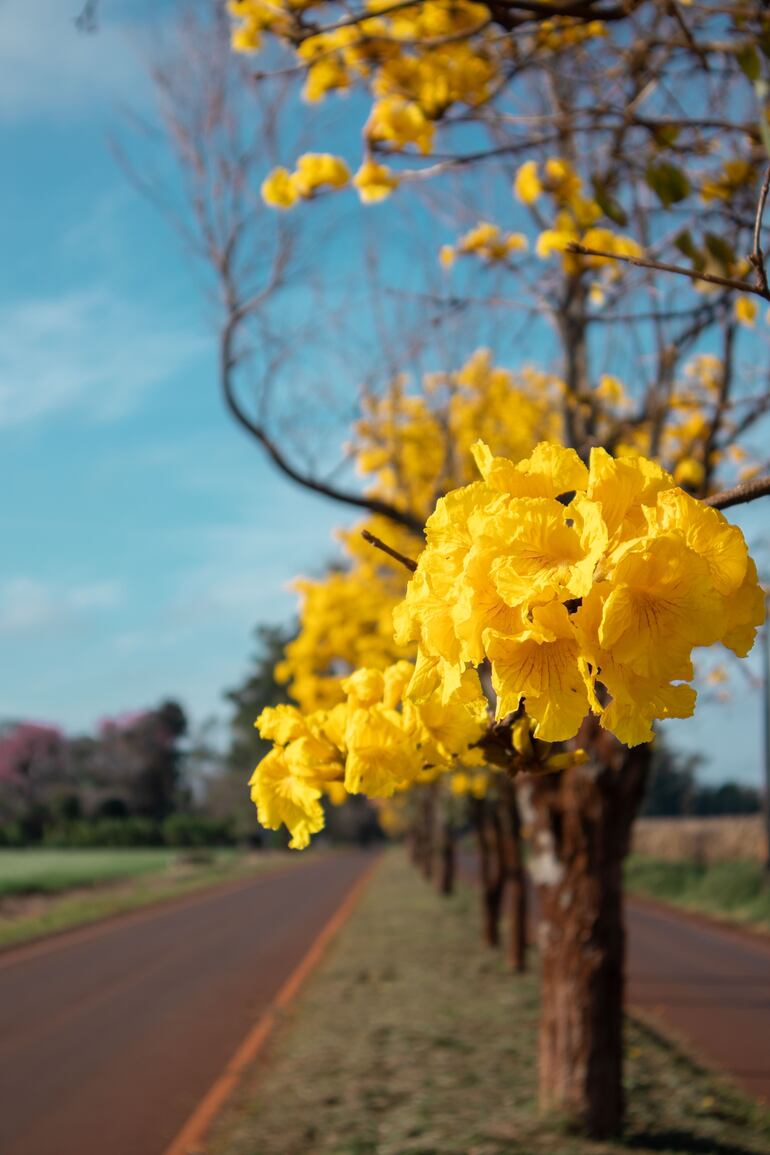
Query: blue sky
point(143, 536)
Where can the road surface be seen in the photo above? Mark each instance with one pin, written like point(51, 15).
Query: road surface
point(711, 985)
point(110, 1037)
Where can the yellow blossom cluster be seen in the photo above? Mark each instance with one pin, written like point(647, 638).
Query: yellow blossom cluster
point(374, 742)
point(586, 589)
point(486, 241)
point(577, 216)
point(563, 32)
point(346, 620)
point(315, 171)
point(417, 446)
point(412, 447)
point(322, 172)
point(418, 60)
point(736, 173)
point(688, 447)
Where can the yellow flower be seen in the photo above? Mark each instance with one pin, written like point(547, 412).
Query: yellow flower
point(550, 471)
point(447, 255)
point(746, 310)
point(722, 188)
point(282, 796)
point(745, 611)
point(527, 187)
point(662, 604)
point(651, 573)
point(546, 550)
point(691, 472)
point(316, 170)
point(374, 182)
point(400, 122)
point(381, 756)
point(279, 190)
point(540, 665)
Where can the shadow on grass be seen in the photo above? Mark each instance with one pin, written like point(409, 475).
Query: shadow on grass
point(682, 1142)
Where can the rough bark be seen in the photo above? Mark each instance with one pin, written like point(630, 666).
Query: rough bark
point(491, 868)
point(445, 874)
point(427, 834)
point(582, 822)
point(516, 878)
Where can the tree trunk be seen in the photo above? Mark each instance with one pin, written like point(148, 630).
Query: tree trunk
point(445, 875)
point(426, 826)
point(487, 823)
point(516, 878)
point(582, 826)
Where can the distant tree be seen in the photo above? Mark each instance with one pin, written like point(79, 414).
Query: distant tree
point(138, 760)
point(226, 795)
point(260, 688)
point(674, 792)
point(33, 772)
point(728, 798)
point(671, 784)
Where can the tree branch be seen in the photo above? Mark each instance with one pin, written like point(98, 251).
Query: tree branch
point(258, 432)
point(662, 267)
point(757, 257)
point(741, 494)
point(381, 545)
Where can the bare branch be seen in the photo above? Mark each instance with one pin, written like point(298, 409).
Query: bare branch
point(662, 267)
point(378, 543)
point(741, 494)
point(259, 433)
point(757, 257)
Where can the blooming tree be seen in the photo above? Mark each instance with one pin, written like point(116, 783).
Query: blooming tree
point(574, 556)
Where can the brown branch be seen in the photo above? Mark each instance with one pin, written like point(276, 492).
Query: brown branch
point(258, 432)
point(501, 10)
point(662, 267)
point(377, 542)
point(741, 494)
point(757, 257)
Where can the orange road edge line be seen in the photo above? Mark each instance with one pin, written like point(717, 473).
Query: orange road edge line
point(188, 1140)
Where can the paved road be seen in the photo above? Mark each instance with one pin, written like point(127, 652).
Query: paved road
point(712, 986)
point(109, 1039)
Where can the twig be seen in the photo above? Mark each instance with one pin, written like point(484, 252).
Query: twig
point(757, 257)
point(741, 494)
point(87, 19)
point(379, 544)
point(661, 267)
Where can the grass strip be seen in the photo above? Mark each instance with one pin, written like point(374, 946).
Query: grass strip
point(26, 917)
point(735, 890)
point(48, 871)
point(414, 1039)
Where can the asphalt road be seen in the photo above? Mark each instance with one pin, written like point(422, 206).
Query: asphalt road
point(110, 1037)
point(711, 985)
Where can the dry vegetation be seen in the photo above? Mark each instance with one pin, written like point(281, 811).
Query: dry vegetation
point(701, 840)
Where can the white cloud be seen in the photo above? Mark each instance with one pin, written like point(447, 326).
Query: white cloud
point(48, 67)
point(86, 352)
point(31, 606)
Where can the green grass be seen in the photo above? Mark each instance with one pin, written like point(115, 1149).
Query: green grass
point(414, 1039)
point(37, 871)
point(735, 890)
point(47, 891)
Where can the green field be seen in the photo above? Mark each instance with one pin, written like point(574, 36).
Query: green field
point(412, 1038)
point(37, 871)
point(46, 891)
point(735, 890)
